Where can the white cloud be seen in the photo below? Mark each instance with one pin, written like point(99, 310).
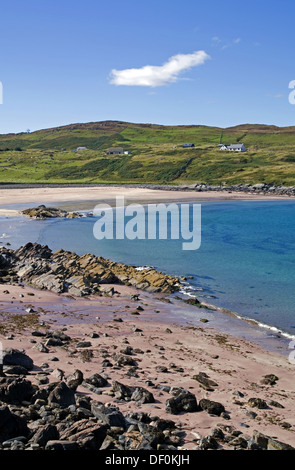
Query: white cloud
point(277, 96)
point(237, 41)
point(154, 76)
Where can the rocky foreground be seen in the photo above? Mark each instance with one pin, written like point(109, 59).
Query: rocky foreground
point(55, 417)
point(64, 271)
point(106, 373)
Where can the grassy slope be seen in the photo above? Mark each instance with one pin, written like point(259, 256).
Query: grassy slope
point(156, 156)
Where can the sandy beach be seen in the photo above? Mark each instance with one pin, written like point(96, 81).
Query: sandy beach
point(50, 195)
point(236, 366)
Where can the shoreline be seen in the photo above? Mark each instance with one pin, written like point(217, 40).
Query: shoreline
point(49, 194)
point(284, 335)
point(66, 196)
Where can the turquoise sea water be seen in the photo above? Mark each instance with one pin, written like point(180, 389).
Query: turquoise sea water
point(246, 262)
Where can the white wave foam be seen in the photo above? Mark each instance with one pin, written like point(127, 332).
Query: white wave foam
point(190, 291)
point(143, 268)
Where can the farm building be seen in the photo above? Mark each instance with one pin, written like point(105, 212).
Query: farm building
point(186, 146)
point(115, 151)
point(233, 147)
point(78, 149)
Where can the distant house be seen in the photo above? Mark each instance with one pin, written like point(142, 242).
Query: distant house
point(233, 147)
point(78, 149)
point(114, 151)
point(186, 146)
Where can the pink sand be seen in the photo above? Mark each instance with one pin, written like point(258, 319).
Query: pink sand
point(240, 365)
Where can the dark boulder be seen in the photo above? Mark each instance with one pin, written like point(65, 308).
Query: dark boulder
point(122, 360)
point(212, 407)
point(207, 443)
point(61, 445)
point(183, 401)
point(44, 434)
point(14, 357)
point(15, 390)
point(257, 403)
point(122, 392)
point(205, 381)
point(151, 438)
point(88, 434)
point(74, 380)
point(141, 395)
point(110, 415)
point(11, 425)
point(54, 342)
point(15, 370)
point(62, 395)
point(269, 379)
point(267, 443)
point(95, 380)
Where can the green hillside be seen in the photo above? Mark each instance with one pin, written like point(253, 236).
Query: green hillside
point(156, 154)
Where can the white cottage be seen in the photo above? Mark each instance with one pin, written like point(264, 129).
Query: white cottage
point(233, 147)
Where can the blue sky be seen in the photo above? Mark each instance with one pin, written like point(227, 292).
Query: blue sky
point(57, 61)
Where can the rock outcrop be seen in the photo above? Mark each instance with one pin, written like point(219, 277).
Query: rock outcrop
point(65, 271)
point(43, 212)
